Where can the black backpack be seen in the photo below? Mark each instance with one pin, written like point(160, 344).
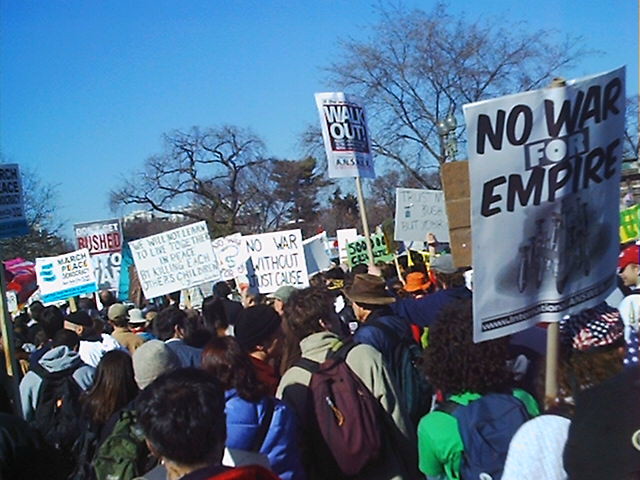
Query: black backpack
point(345, 417)
point(405, 366)
point(57, 414)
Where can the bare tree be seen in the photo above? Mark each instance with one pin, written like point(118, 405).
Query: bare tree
point(419, 67)
point(212, 175)
point(631, 131)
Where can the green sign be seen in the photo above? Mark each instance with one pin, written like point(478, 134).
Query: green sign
point(357, 251)
point(630, 224)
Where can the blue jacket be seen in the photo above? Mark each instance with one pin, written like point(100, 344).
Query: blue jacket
point(280, 444)
point(378, 338)
point(423, 311)
point(189, 356)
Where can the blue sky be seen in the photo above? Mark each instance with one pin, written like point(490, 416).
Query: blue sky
point(87, 87)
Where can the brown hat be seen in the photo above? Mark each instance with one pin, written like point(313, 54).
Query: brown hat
point(369, 289)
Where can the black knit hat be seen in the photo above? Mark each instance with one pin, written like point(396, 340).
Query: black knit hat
point(256, 324)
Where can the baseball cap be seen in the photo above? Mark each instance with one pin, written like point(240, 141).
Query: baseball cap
point(628, 256)
point(283, 293)
point(117, 310)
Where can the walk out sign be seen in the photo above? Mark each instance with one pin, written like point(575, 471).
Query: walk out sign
point(12, 219)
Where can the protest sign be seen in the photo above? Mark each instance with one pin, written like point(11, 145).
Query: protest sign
point(231, 255)
point(345, 235)
point(103, 239)
point(357, 251)
point(171, 261)
point(277, 259)
point(545, 183)
point(65, 276)
point(12, 220)
point(346, 137)
point(455, 182)
point(316, 253)
point(419, 212)
point(12, 301)
point(630, 224)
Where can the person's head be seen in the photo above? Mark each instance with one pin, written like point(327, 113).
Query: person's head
point(628, 265)
point(118, 315)
point(447, 275)
point(592, 347)
point(367, 293)
point(152, 359)
point(221, 290)
point(280, 297)
point(107, 298)
point(51, 320)
point(67, 338)
point(86, 304)
point(417, 283)
point(183, 420)
point(136, 319)
point(166, 323)
point(230, 365)
point(454, 364)
point(258, 331)
point(309, 311)
point(79, 322)
point(214, 315)
point(113, 388)
point(35, 310)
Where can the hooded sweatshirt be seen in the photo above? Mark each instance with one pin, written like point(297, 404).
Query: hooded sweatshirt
point(55, 360)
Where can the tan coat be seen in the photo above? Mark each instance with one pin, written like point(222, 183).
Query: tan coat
point(398, 459)
point(127, 338)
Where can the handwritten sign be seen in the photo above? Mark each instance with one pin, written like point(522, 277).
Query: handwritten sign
point(171, 261)
point(357, 251)
point(419, 212)
point(630, 224)
point(103, 239)
point(12, 220)
point(277, 259)
point(231, 255)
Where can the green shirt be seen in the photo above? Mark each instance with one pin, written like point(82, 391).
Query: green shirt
point(439, 442)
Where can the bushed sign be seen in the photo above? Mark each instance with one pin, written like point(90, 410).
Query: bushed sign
point(174, 260)
point(277, 259)
point(231, 255)
point(357, 251)
point(419, 212)
point(545, 185)
point(65, 276)
point(12, 219)
point(103, 239)
point(345, 134)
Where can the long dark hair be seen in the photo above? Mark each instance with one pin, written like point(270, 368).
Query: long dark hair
point(114, 387)
point(224, 359)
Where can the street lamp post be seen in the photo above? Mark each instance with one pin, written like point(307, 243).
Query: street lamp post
point(448, 142)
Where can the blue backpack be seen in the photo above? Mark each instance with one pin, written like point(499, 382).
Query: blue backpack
point(486, 426)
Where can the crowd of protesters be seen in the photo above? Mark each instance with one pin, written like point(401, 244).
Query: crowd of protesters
point(231, 389)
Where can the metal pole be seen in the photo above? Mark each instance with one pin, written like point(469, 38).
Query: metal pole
point(8, 345)
point(365, 222)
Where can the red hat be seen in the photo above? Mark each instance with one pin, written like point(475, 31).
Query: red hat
point(628, 256)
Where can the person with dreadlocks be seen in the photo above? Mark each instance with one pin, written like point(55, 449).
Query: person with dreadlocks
point(464, 373)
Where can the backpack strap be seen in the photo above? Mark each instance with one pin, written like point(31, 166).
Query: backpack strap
point(264, 426)
point(44, 373)
point(385, 328)
point(448, 406)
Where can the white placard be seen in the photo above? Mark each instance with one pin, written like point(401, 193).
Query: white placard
point(345, 235)
point(346, 137)
point(65, 276)
point(231, 255)
point(316, 253)
point(171, 261)
point(12, 301)
point(419, 212)
point(545, 190)
point(277, 259)
point(12, 220)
